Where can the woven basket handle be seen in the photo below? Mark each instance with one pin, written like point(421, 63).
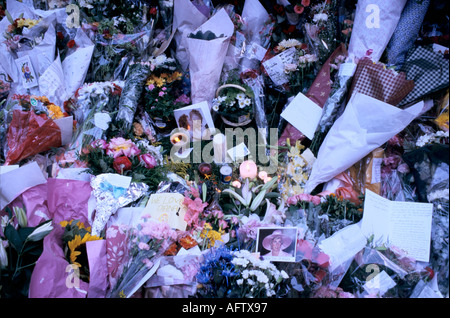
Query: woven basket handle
point(228, 86)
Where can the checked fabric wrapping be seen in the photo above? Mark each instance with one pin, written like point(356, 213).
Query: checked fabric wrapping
point(429, 71)
point(374, 80)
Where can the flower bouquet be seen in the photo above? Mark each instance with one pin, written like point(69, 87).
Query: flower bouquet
point(92, 107)
point(35, 127)
point(74, 239)
point(145, 244)
point(228, 274)
point(140, 161)
point(131, 95)
point(163, 91)
point(234, 103)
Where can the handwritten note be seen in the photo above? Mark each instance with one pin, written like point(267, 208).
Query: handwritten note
point(275, 66)
point(168, 208)
point(406, 225)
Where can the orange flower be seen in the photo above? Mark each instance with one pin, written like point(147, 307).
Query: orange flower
point(187, 242)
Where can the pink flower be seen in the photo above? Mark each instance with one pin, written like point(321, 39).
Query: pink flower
point(120, 146)
point(151, 87)
point(306, 3)
point(197, 205)
point(164, 89)
point(194, 192)
point(143, 246)
point(147, 263)
point(303, 197)
point(99, 143)
point(299, 9)
point(161, 94)
point(183, 99)
point(148, 161)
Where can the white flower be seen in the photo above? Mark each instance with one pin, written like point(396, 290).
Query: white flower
point(320, 17)
point(242, 104)
point(3, 255)
point(284, 274)
point(240, 96)
point(41, 231)
point(215, 107)
point(240, 281)
point(311, 58)
point(287, 44)
point(289, 68)
point(222, 99)
point(247, 101)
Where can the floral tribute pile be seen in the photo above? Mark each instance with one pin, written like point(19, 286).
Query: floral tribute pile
point(224, 149)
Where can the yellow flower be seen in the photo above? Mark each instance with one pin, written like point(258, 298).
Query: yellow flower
point(211, 235)
point(76, 243)
point(55, 111)
point(29, 23)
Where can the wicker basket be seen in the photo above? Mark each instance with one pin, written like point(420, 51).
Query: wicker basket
point(225, 120)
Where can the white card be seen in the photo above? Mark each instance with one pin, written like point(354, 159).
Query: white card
point(303, 114)
point(26, 72)
point(238, 152)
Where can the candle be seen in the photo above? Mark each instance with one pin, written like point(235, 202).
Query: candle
point(226, 173)
point(248, 169)
point(205, 169)
point(179, 138)
point(220, 148)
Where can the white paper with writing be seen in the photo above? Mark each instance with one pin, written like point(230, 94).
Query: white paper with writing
point(275, 66)
point(406, 225)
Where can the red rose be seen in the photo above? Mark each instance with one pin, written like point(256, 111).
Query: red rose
point(121, 164)
point(71, 44)
point(153, 11)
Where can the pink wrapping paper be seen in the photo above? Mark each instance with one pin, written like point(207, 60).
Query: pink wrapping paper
point(116, 252)
point(52, 276)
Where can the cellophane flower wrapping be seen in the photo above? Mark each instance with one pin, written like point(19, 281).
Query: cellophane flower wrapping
point(67, 200)
point(399, 274)
point(92, 103)
point(29, 134)
point(145, 244)
point(131, 94)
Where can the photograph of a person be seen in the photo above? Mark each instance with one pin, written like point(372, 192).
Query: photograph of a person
point(277, 244)
point(195, 118)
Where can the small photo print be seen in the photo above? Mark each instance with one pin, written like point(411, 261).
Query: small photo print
point(277, 243)
point(195, 118)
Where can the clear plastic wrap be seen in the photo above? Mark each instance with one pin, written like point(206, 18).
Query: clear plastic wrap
point(29, 134)
point(90, 106)
point(383, 272)
point(131, 94)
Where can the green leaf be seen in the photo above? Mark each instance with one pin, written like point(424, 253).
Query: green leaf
point(13, 237)
point(24, 232)
point(10, 19)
